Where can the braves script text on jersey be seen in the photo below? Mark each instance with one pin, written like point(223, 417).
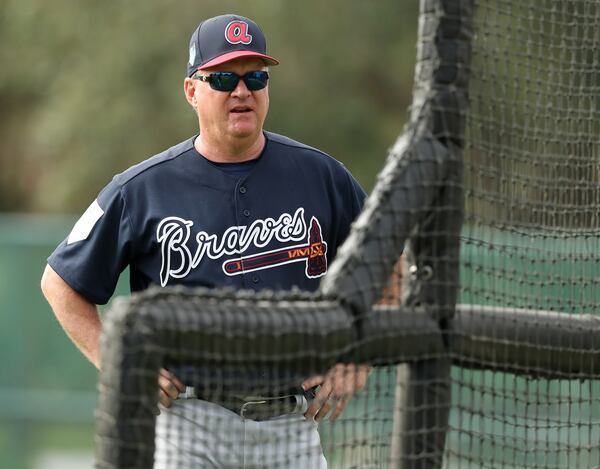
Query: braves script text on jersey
point(178, 219)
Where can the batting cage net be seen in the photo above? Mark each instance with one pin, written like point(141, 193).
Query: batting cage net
point(481, 345)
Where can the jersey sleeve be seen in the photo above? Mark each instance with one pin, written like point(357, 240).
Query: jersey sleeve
point(357, 196)
point(98, 248)
point(352, 201)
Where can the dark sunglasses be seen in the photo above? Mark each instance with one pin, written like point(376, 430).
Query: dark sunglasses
point(228, 81)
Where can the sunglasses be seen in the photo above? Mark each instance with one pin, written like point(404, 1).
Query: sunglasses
point(228, 81)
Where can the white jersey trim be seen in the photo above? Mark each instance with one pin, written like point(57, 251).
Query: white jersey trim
point(82, 229)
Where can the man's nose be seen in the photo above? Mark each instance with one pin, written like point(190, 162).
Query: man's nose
point(241, 90)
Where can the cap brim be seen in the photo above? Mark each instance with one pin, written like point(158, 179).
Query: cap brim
point(237, 54)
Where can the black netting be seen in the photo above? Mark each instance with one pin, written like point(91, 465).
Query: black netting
point(530, 239)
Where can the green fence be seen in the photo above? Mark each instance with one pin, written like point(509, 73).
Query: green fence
point(515, 421)
point(47, 388)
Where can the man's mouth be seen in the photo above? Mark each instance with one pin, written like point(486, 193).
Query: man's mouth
point(241, 109)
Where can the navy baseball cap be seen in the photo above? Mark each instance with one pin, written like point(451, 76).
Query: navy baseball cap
point(223, 38)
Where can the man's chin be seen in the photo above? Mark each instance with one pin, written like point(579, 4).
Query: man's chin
point(245, 133)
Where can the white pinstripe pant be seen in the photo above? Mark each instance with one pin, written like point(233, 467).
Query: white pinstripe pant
point(197, 434)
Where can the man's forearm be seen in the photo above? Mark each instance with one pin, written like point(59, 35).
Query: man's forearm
point(77, 316)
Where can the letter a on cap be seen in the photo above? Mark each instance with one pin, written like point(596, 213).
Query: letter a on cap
point(236, 32)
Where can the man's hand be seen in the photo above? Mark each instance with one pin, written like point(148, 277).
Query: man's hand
point(169, 387)
point(337, 388)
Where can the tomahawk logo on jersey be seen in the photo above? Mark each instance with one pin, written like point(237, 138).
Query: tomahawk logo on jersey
point(177, 219)
point(312, 254)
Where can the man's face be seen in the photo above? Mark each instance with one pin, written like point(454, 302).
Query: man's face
point(236, 115)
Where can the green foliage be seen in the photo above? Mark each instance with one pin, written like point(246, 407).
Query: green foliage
point(93, 87)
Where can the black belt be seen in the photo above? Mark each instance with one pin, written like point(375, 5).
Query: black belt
point(263, 407)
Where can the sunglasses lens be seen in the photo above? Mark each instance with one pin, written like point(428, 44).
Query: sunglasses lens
point(228, 81)
point(224, 81)
point(256, 80)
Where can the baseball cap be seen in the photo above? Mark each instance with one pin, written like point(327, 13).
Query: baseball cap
point(224, 38)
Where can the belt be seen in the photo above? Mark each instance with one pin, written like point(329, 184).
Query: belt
point(260, 407)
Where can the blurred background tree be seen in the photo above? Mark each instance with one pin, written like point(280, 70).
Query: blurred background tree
point(89, 88)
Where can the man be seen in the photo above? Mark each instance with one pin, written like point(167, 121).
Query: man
point(234, 206)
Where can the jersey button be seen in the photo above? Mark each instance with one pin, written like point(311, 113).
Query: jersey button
point(243, 190)
point(246, 213)
point(255, 279)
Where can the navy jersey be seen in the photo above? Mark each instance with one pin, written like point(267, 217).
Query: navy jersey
point(177, 219)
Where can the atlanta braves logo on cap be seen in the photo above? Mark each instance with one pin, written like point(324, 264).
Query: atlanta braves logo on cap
point(236, 32)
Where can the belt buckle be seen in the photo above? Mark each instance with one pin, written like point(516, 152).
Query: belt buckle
point(247, 405)
point(269, 407)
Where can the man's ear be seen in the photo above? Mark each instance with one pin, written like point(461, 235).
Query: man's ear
point(189, 88)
